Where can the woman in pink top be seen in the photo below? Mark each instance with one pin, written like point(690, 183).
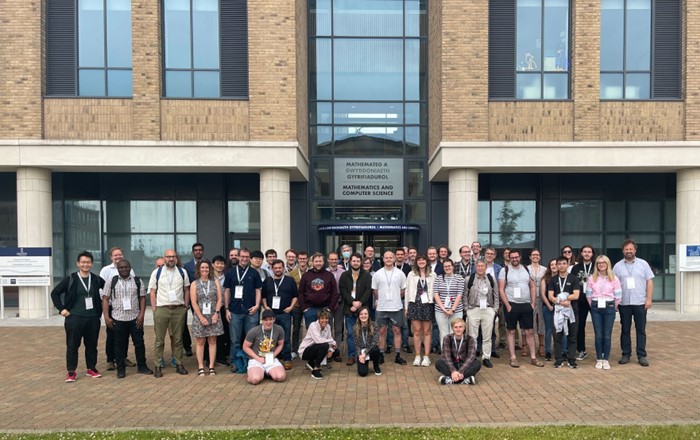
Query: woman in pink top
point(318, 344)
point(604, 294)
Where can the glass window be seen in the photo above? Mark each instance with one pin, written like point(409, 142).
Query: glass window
point(416, 212)
point(645, 215)
point(366, 69)
point(368, 18)
point(186, 216)
point(416, 18)
point(104, 48)
point(322, 178)
point(244, 216)
point(191, 46)
point(380, 113)
point(542, 45)
point(507, 222)
point(320, 17)
point(82, 229)
point(581, 215)
point(320, 69)
point(625, 49)
point(416, 179)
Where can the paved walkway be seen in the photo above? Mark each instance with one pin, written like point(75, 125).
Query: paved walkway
point(34, 396)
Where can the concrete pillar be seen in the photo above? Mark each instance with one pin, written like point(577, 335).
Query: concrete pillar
point(688, 232)
point(463, 203)
point(34, 229)
point(274, 210)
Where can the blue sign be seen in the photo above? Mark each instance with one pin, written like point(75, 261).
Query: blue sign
point(25, 252)
point(692, 251)
point(368, 228)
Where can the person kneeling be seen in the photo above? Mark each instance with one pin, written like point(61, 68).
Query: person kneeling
point(366, 342)
point(318, 345)
point(263, 344)
point(458, 362)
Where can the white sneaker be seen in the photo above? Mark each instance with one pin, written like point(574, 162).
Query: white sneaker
point(416, 361)
point(426, 362)
point(294, 355)
point(445, 380)
point(599, 364)
point(606, 365)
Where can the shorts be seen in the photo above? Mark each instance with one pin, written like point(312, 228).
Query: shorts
point(253, 363)
point(519, 313)
point(394, 318)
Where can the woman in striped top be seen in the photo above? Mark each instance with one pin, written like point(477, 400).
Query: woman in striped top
point(448, 289)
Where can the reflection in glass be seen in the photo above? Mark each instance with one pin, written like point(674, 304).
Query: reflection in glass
point(244, 216)
point(145, 249)
point(416, 179)
point(366, 69)
point(513, 215)
point(615, 215)
point(82, 229)
point(416, 140)
point(320, 17)
point(119, 33)
point(611, 86)
point(555, 86)
point(178, 83)
point(186, 216)
point(581, 215)
point(321, 211)
point(414, 75)
point(483, 216)
point(205, 35)
point(416, 212)
point(529, 36)
point(183, 246)
point(514, 240)
point(177, 34)
point(321, 139)
point(370, 141)
point(368, 18)
point(612, 26)
point(528, 86)
point(385, 113)
point(416, 18)
point(637, 86)
point(638, 53)
point(320, 69)
point(91, 82)
point(119, 83)
point(415, 113)
point(322, 178)
point(368, 211)
point(645, 215)
point(578, 240)
point(206, 84)
point(91, 43)
point(556, 36)
point(322, 113)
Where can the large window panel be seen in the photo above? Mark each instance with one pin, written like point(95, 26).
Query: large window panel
point(638, 35)
point(612, 28)
point(416, 17)
point(581, 215)
point(91, 35)
point(178, 50)
point(205, 34)
point(368, 18)
point(366, 69)
point(320, 17)
point(118, 38)
point(244, 216)
point(320, 68)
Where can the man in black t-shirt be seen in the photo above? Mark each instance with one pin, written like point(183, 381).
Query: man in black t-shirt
point(563, 291)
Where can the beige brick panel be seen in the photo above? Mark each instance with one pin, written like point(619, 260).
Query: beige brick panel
point(525, 121)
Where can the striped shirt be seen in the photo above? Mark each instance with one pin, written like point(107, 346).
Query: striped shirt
point(451, 287)
point(124, 289)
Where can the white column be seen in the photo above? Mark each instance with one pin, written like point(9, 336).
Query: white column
point(34, 229)
point(275, 210)
point(688, 232)
point(462, 212)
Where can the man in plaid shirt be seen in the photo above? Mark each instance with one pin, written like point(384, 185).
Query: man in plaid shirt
point(458, 362)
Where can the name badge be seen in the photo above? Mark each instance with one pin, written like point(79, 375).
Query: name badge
point(516, 292)
point(353, 294)
point(269, 358)
point(424, 298)
point(206, 308)
point(276, 302)
point(88, 303)
point(126, 303)
point(448, 302)
point(585, 288)
point(601, 303)
point(172, 295)
point(482, 303)
point(630, 283)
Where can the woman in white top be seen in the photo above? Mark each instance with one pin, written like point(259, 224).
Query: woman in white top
point(419, 307)
point(449, 289)
point(536, 274)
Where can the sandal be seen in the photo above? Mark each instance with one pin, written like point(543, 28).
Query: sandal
point(514, 363)
point(200, 372)
point(525, 352)
point(541, 352)
point(212, 372)
point(536, 362)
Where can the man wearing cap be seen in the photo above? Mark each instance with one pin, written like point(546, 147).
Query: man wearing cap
point(263, 343)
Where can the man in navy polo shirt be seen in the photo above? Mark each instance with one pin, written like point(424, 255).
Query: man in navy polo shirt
point(279, 294)
point(242, 297)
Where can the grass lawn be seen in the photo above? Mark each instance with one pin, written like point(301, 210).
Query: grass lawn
point(539, 433)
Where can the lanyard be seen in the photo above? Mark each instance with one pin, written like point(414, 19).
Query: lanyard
point(422, 284)
point(562, 283)
point(207, 289)
point(630, 268)
point(388, 278)
point(467, 269)
point(89, 284)
point(535, 275)
point(459, 347)
point(277, 286)
point(272, 329)
point(169, 274)
point(448, 284)
point(122, 283)
point(589, 269)
point(364, 337)
point(517, 277)
point(603, 281)
point(238, 273)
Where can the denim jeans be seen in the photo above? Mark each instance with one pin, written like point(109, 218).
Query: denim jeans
point(310, 315)
point(583, 311)
point(284, 320)
point(350, 327)
point(548, 317)
point(603, 320)
point(240, 325)
point(639, 313)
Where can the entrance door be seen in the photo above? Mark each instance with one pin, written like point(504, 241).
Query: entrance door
point(382, 242)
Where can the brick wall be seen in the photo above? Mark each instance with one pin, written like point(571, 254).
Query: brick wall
point(641, 121)
point(20, 69)
point(691, 21)
point(302, 73)
point(531, 121)
point(147, 68)
point(88, 119)
point(204, 120)
point(434, 74)
point(585, 69)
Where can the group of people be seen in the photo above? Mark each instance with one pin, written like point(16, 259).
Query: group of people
point(252, 305)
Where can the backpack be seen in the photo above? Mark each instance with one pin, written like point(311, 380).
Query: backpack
point(470, 283)
point(115, 279)
point(160, 269)
point(506, 269)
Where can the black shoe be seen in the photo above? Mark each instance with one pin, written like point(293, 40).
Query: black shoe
point(548, 357)
point(389, 350)
point(188, 353)
point(111, 366)
point(478, 353)
point(407, 349)
point(487, 363)
point(572, 363)
point(158, 372)
point(558, 364)
point(144, 370)
point(181, 370)
point(495, 355)
point(381, 358)
point(128, 363)
point(625, 359)
point(399, 360)
point(316, 374)
point(501, 345)
point(121, 374)
point(643, 361)
point(377, 370)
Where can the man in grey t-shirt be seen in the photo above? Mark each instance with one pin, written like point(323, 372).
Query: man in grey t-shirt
point(263, 343)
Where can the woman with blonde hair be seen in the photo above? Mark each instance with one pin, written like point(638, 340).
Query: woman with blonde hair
point(604, 295)
point(419, 307)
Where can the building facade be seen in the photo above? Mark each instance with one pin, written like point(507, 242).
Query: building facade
point(313, 123)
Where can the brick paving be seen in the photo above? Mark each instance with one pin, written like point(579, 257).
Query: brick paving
point(34, 396)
